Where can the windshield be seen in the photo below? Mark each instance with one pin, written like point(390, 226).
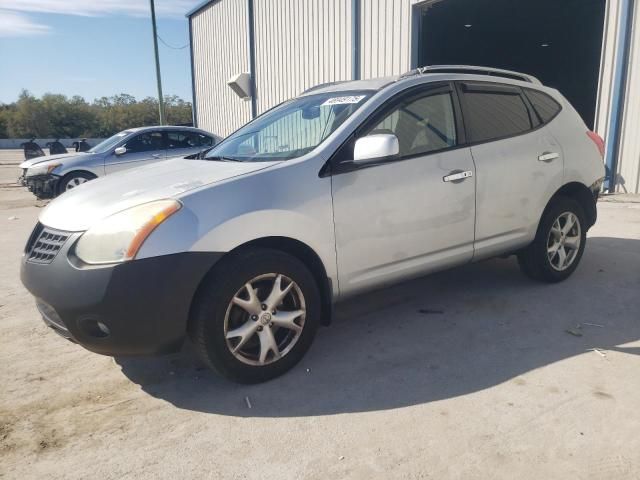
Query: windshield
point(290, 130)
point(109, 143)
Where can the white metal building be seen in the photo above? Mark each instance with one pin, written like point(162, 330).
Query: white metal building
point(588, 49)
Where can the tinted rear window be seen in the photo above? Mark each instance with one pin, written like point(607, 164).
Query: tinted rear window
point(495, 114)
point(546, 107)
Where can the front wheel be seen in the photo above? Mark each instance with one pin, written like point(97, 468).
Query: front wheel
point(256, 315)
point(559, 244)
point(73, 180)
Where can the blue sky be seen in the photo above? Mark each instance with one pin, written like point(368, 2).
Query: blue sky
point(95, 50)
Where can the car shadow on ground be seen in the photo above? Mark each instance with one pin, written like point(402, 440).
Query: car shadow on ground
point(449, 334)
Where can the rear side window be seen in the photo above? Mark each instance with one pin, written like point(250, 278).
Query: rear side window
point(494, 114)
point(187, 140)
point(545, 106)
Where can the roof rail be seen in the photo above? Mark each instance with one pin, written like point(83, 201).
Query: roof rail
point(323, 85)
point(497, 72)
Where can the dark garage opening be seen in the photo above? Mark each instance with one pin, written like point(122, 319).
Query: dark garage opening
point(558, 41)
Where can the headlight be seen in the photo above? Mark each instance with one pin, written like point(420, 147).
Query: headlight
point(42, 170)
point(119, 237)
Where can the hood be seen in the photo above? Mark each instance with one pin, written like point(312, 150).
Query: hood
point(80, 208)
point(46, 158)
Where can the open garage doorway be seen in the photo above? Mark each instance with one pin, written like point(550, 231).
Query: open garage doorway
point(558, 41)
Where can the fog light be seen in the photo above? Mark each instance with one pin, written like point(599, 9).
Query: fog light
point(103, 328)
point(94, 328)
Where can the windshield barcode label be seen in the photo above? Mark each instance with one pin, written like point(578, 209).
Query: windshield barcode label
point(343, 100)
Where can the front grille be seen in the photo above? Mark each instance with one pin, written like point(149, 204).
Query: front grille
point(44, 244)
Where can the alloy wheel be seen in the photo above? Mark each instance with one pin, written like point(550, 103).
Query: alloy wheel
point(74, 182)
point(264, 319)
point(563, 242)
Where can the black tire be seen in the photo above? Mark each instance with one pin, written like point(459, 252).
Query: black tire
point(207, 323)
point(534, 260)
point(71, 177)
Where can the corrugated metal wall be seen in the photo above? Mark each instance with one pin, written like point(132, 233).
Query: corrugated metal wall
point(385, 37)
point(629, 160)
point(300, 44)
point(628, 179)
point(603, 112)
point(220, 50)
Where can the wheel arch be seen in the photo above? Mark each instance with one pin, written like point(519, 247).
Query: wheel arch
point(79, 170)
point(297, 249)
point(70, 174)
point(583, 195)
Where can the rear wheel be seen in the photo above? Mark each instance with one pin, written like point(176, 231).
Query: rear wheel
point(73, 180)
point(255, 317)
point(559, 244)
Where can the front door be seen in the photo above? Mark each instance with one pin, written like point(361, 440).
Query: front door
point(407, 216)
point(142, 149)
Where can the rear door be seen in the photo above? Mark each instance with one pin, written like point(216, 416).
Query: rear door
point(406, 216)
point(184, 142)
point(519, 165)
point(144, 148)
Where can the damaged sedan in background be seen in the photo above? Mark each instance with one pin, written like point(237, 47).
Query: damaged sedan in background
point(50, 176)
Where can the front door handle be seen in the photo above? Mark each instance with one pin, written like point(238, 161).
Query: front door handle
point(548, 156)
point(156, 155)
point(457, 176)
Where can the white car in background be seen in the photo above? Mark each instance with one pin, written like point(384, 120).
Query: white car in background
point(52, 175)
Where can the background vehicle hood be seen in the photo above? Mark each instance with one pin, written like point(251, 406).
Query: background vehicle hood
point(82, 207)
point(46, 158)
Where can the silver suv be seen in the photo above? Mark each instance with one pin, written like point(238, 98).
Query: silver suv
point(53, 175)
point(347, 188)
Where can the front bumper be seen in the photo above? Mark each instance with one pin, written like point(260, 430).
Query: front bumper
point(42, 186)
point(133, 308)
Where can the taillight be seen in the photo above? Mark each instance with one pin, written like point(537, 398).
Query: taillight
point(597, 139)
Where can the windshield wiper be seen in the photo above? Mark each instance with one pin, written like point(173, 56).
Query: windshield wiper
point(223, 159)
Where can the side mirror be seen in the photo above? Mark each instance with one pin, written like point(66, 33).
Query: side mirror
point(375, 147)
point(311, 113)
point(120, 151)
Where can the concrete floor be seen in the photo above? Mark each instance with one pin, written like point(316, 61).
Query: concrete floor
point(491, 386)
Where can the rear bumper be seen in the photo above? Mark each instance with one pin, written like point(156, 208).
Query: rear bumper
point(134, 308)
point(595, 189)
point(42, 186)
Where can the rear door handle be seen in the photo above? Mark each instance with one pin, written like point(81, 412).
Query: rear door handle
point(457, 176)
point(156, 155)
point(548, 156)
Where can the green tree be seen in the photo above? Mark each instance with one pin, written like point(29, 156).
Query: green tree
point(5, 113)
point(56, 115)
point(68, 117)
point(29, 118)
point(177, 111)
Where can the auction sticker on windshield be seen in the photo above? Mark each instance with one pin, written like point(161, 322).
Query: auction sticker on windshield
point(343, 100)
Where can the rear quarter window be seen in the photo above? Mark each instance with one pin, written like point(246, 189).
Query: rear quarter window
point(545, 106)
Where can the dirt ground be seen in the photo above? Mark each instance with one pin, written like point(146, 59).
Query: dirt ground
point(466, 374)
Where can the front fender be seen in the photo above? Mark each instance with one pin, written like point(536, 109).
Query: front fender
point(93, 165)
point(291, 202)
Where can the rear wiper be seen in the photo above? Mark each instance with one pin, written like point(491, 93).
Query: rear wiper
point(223, 159)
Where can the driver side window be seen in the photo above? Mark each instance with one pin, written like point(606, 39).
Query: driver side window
point(145, 142)
point(422, 125)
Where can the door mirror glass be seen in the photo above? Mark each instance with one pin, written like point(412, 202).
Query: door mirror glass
point(311, 112)
point(376, 147)
point(120, 151)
